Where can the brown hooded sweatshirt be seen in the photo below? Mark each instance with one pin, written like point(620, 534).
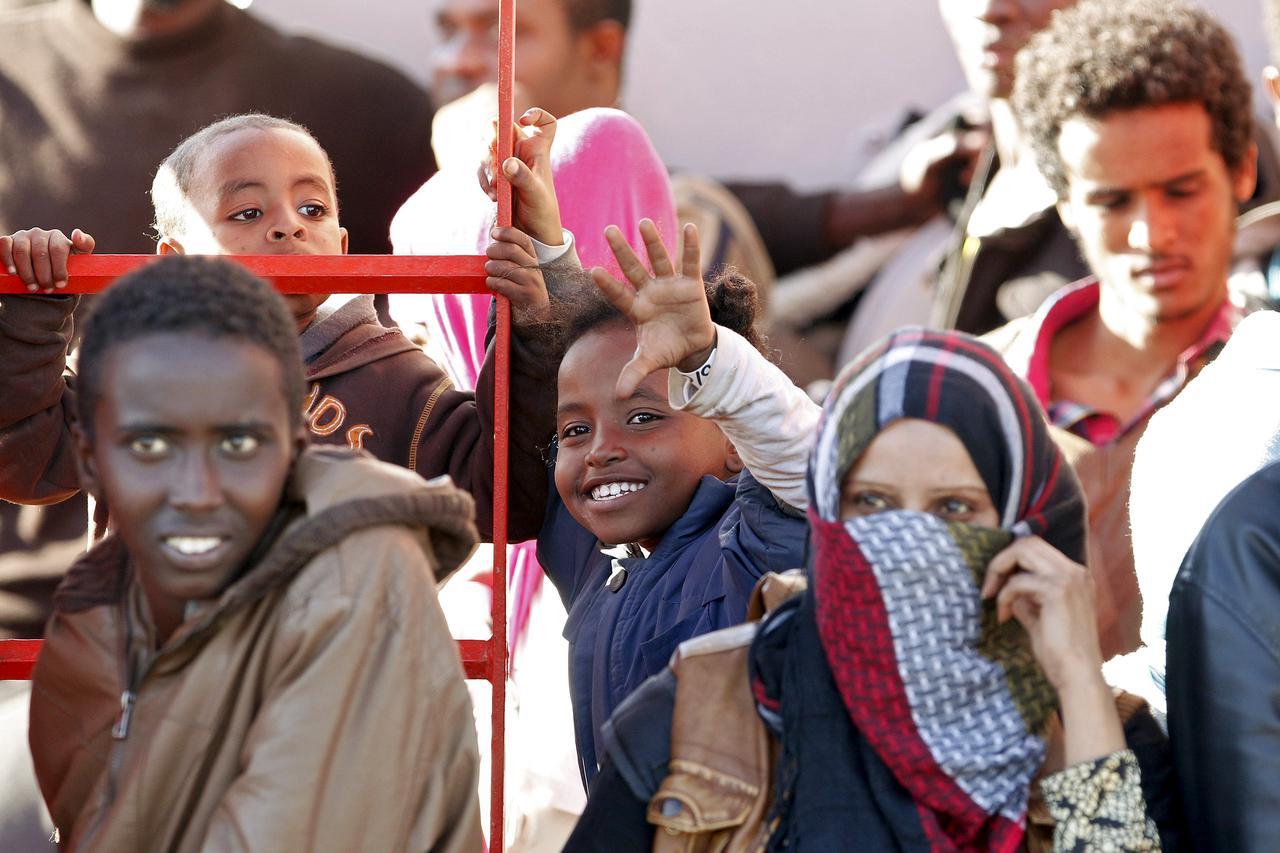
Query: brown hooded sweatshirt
point(318, 704)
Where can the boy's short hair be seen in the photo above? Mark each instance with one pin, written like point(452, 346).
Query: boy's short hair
point(189, 295)
point(1107, 55)
point(584, 14)
point(173, 178)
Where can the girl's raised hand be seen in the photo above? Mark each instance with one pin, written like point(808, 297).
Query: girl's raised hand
point(668, 309)
point(536, 211)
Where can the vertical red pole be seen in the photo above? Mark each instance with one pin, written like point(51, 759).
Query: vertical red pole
point(498, 660)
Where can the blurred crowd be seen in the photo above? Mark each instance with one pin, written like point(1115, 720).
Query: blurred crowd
point(936, 510)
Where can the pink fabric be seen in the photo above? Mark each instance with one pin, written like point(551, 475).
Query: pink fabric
point(606, 173)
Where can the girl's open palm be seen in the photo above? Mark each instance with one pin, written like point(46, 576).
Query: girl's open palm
point(668, 309)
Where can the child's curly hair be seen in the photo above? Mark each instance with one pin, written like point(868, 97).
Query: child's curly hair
point(733, 298)
point(1107, 55)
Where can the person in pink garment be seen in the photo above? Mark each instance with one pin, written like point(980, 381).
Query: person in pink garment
point(606, 172)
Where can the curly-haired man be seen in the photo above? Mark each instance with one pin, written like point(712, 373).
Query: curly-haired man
point(1139, 113)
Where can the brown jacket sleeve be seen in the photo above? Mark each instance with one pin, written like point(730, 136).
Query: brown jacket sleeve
point(457, 436)
point(37, 400)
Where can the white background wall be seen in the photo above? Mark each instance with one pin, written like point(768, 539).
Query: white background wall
point(786, 88)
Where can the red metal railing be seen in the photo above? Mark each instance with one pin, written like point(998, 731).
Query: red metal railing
point(481, 659)
point(17, 659)
point(302, 273)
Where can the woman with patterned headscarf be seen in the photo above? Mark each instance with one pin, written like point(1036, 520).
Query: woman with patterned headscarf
point(942, 659)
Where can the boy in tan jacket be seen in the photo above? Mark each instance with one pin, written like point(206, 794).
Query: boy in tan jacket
point(255, 658)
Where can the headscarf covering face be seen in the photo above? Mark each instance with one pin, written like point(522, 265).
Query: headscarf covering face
point(951, 701)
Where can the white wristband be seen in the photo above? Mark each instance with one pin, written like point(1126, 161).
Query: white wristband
point(693, 379)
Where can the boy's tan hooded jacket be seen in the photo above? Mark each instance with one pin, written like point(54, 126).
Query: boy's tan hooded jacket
point(317, 705)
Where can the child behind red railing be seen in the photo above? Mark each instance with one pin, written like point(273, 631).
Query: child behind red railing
point(671, 492)
point(255, 184)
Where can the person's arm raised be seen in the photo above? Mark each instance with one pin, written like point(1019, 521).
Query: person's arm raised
point(770, 421)
point(457, 437)
point(460, 432)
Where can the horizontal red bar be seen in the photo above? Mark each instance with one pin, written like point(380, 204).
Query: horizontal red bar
point(18, 658)
point(475, 655)
point(301, 273)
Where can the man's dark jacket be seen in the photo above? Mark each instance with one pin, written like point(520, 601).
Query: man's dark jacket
point(1223, 686)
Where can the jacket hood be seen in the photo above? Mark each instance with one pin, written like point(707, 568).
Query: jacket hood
point(360, 344)
point(332, 493)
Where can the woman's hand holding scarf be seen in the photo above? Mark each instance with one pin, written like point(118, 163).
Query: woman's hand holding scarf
point(1052, 597)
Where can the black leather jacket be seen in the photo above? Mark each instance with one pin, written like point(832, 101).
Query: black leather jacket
point(1223, 684)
